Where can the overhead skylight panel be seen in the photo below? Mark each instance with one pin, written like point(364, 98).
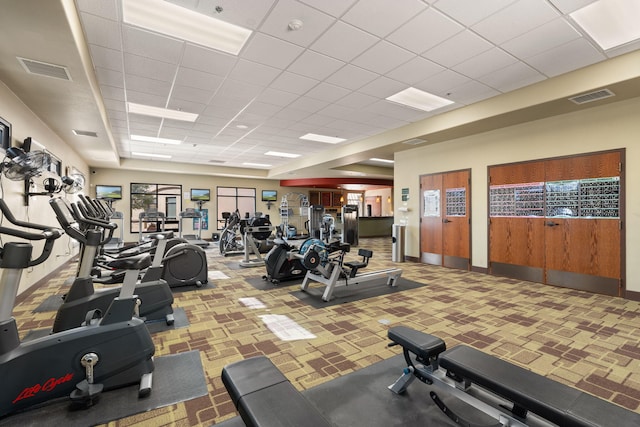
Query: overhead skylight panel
point(419, 99)
point(185, 24)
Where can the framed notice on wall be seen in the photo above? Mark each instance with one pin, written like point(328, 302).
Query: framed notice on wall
point(431, 199)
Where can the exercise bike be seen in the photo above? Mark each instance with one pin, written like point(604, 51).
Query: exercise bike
point(231, 238)
point(109, 351)
point(156, 296)
point(175, 261)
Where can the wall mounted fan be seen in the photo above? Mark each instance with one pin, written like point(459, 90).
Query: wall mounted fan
point(19, 166)
point(73, 183)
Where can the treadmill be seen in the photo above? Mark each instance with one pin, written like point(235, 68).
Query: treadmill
point(194, 239)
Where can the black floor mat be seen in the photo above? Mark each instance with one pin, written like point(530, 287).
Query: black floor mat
point(264, 285)
point(362, 398)
point(343, 294)
point(180, 316)
point(51, 303)
point(176, 378)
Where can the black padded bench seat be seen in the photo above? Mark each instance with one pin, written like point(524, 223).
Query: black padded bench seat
point(264, 397)
point(553, 401)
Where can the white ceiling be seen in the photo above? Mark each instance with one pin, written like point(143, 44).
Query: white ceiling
point(331, 77)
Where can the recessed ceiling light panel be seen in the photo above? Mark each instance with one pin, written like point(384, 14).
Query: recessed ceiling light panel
point(610, 23)
point(143, 138)
point(158, 156)
point(419, 99)
point(148, 110)
point(322, 138)
point(375, 159)
point(279, 154)
point(185, 24)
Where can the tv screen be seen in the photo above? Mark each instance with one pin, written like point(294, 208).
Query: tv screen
point(200, 195)
point(113, 192)
point(269, 195)
point(5, 133)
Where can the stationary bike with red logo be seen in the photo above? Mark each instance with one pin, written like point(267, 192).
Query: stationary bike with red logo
point(109, 351)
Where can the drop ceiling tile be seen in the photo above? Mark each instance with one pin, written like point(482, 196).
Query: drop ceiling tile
point(484, 63)
point(101, 32)
point(147, 67)
point(271, 51)
point(315, 65)
point(110, 77)
point(357, 100)
point(548, 36)
point(471, 92)
point(337, 111)
point(262, 109)
point(146, 85)
point(237, 92)
point(469, 13)
point(382, 87)
point(103, 57)
point(441, 83)
point(425, 31)
point(327, 92)
point(105, 9)
point(110, 92)
point(293, 83)
point(208, 60)
point(332, 7)
point(277, 97)
point(379, 17)
point(197, 79)
point(317, 120)
point(571, 56)
point(351, 77)
point(314, 22)
point(180, 95)
point(568, 6)
point(254, 72)
point(415, 70)
point(332, 43)
point(457, 49)
point(396, 111)
point(383, 57)
point(146, 98)
point(151, 45)
point(515, 20)
point(291, 114)
point(512, 77)
point(306, 103)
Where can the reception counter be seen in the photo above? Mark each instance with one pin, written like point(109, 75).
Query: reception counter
point(375, 226)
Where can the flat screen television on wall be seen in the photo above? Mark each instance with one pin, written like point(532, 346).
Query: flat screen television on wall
point(200, 195)
point(113, 192)
point(5, 133)
point(269, 195)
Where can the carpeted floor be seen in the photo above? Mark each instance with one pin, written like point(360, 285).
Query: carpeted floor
point(589, 341)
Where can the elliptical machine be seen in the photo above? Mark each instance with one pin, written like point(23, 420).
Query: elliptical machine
point(107, 352)
point(156, 296)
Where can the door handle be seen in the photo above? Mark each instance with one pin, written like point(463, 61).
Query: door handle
point(551, 224)
point(445, 220)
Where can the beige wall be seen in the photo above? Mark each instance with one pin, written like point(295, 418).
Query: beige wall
point(24, 124)
point(125, 178)
point(608, 127)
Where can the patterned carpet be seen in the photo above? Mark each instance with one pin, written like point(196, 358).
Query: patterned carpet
point(591, 342)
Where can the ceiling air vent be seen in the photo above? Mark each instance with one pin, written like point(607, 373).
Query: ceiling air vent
point(591, 96)
point(414, 141)
point(85, 133)
point(216, 161)
point(32, 66)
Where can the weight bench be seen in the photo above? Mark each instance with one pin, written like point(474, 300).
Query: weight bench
point(264, 397)
point(527, 391)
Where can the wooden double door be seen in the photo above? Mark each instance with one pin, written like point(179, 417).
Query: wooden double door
point(445, 218)
point(559, 221)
